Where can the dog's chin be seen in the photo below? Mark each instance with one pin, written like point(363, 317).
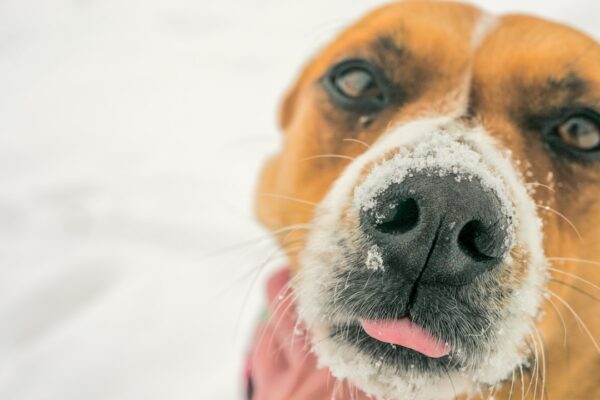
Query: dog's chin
point(389, 371)
point(383, 370)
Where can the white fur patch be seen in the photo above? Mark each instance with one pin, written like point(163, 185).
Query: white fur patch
point(447, 147)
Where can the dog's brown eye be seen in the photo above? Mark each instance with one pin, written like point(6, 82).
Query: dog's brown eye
point(357, 85)
point(575, 134)
point(580, 133)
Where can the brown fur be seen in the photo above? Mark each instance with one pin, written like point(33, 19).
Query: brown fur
point(523, 68)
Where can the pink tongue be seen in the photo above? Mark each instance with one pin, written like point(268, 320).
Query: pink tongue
point(405, 333)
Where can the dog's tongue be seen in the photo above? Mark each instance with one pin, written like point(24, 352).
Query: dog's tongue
point(406, 333)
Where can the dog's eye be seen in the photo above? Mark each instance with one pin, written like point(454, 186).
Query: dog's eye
point(581, 133)
point(357, 85)
point(576, 134)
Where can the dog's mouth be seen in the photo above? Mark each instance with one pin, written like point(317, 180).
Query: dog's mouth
point(379, 319)
point(410, 329)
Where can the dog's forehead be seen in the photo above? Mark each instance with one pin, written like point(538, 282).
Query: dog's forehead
point(548, 64)
point(453, 37)
point(434, 31)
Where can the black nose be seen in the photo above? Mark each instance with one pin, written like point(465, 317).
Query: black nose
point(444, 230)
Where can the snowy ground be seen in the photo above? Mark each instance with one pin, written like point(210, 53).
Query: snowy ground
point(130, 137)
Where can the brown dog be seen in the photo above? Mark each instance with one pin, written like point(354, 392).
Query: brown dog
point(438, 194)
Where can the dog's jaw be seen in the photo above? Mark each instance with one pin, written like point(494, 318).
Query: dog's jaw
point(321, 261)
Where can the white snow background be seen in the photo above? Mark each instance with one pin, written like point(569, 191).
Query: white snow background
point(131, 134)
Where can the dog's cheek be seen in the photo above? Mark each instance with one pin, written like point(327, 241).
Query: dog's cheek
point(266, 207)
point(288, 105)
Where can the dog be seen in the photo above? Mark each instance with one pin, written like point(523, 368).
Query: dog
point(437, 194)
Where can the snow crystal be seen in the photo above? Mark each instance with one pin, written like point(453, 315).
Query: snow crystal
point(374, 259)
point(442, 155)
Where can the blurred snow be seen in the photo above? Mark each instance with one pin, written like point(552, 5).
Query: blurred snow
point(131, 134)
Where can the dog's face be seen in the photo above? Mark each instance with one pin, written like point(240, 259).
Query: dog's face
point(447, 152)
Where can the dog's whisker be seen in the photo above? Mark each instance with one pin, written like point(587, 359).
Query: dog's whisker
point(479, 393)
point(257, 240)
point(238, 320)
point(237, 280)
point(292, 251)
point(518, 256)
point(282, 299)
point(283, 314)
point(522, 381)
point(336, 387)
point(242, 309)
point(281, 252)
point(305, 357)
point(289, 198)
point(357, 141)
point(512, 385)
point(567, 220)
point(275, 254)
point(562, 320)
point(277, 309)
point(577, 319)
point(543, 353)
point(492, 392)
point(577, 289)
point(538, 184)
point(319, 156)
point(255, 279)
point(537, 366)
point(534, 374)
point(574, 276)
point(574, 260)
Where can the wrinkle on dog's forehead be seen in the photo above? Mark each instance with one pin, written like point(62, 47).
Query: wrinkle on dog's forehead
point(527, 60)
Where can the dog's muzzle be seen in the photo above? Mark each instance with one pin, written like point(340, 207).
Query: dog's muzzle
point(423, 261)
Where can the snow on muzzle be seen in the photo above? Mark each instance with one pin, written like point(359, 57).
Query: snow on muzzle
point(436, 212)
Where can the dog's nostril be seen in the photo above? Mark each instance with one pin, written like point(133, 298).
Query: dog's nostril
point(403, 218)
point(478, 242)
